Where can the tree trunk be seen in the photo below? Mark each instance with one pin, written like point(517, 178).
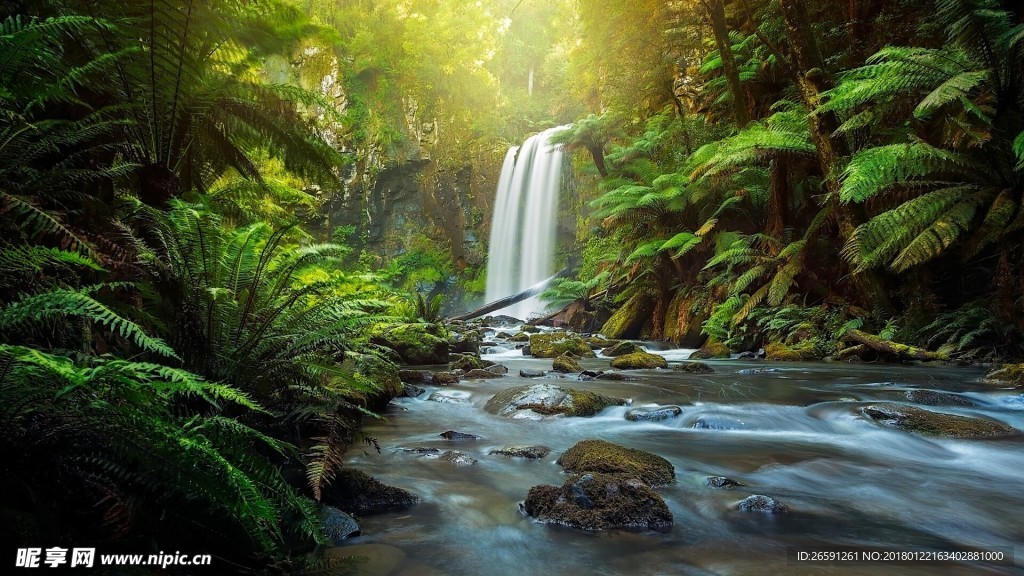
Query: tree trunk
point(510, 300)
point(892, 348)
point(598, 154)
point(812, 80)
point(716, 11)
point(778, 202)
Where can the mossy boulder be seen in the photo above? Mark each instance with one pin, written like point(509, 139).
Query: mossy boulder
point(639, 360)
point(566, 364)
point(1006, 375)
point(599, 342)
point(596, 501)
point(359, 493)
point(554, 344)
point(783, 352)
point(711, 349)
point(418, 343)
point(629, 320)
point(622, 348)
point(529, 329)
point(608, 458)
point(520, 337)
point(381, 375)
point(466, 342)
point(693, 368)
point(548, 400)
point(467, 362)
point(913, 419)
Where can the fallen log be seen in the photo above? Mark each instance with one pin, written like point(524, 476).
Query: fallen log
point(892, 348)
point(510, 300)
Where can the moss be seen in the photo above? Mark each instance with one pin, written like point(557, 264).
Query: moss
point(596, 501)
point(913, 419)
point(1006, 375)
point(639, 360)
point(628, 320)
point(597, 341)
point(530, 329)
point(587, 403)
point(467, 362)
point(418, 343)
point(711, 349)
point(553, 344)
point(520, 337)
point(621, 349)
point(566, 364)
point(782, 352)
point(601, 456)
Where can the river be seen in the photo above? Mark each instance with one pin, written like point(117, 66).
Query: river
point(795, 434)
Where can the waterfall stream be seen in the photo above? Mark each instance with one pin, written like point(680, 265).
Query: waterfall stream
point(523, 228)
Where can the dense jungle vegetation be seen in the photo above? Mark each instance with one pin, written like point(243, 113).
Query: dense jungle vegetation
point(185, 350)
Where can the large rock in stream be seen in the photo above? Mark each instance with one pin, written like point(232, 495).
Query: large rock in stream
point(548, 400)
point(554, 344)
point(359, 493)
point(419, 343)
point(639, 361)
point(913, 419)
point(609, 488)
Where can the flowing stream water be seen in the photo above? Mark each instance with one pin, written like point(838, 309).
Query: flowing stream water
point(795, 434)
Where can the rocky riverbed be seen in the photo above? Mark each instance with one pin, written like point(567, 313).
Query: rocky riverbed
point(683, 467)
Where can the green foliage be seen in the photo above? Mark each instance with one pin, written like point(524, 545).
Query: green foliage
point(126, 436)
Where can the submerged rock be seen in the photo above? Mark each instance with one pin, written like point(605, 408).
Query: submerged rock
point(528, 452)
point(453, 435)
point(527, 373)
point(412, 391)
point(616, 376)
point(548, 400)
point(936, 398)
point(596, 501)
point(621, 349)
point(654, 414)
point(605, 457)
point(754, 371)
point(693, 368)
point(479, 374)
point(717, 422)
point(359, 493)
point(446, 397)
point(721, 482)
point(566, 364)
point(913, 419)
point(423, 451)
point(764, 504)
point(639, 361)
point(554, 344)
point(458, 458)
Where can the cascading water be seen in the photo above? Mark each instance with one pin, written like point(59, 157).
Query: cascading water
point(523, 228)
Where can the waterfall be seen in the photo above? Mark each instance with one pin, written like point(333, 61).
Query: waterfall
point(523, 227)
